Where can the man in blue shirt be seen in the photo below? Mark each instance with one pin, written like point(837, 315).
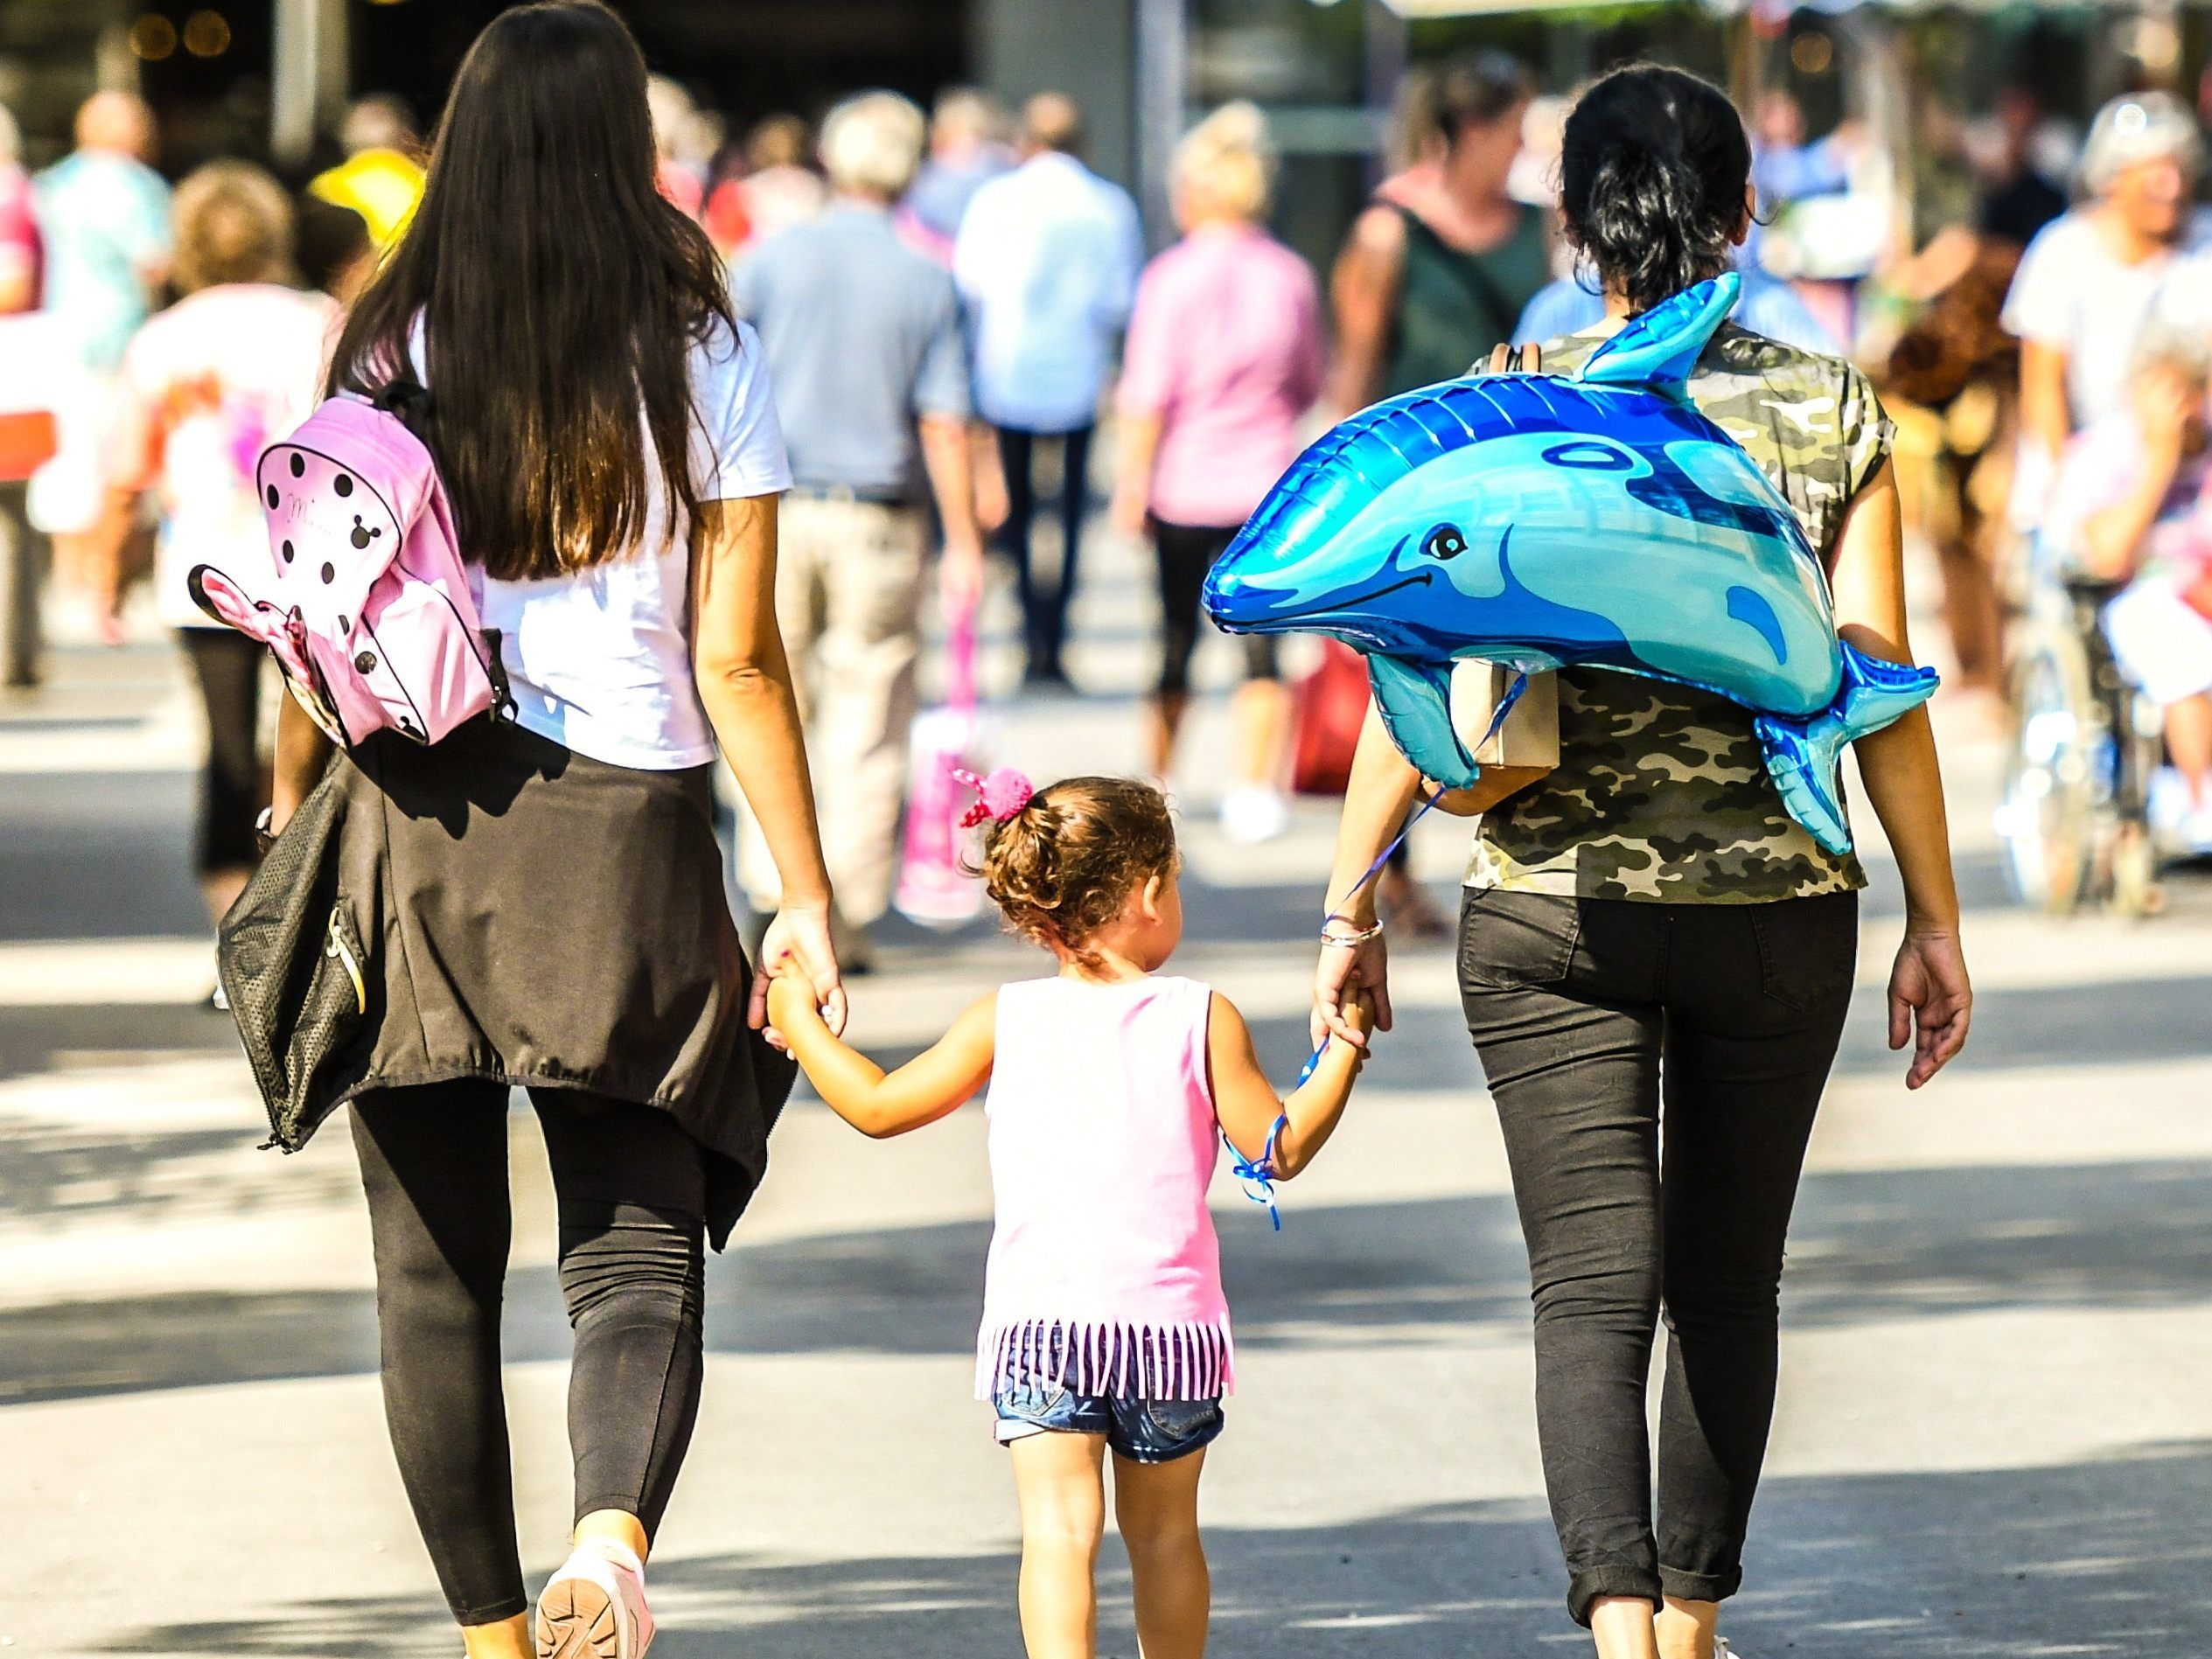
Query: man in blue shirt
point(869, 354)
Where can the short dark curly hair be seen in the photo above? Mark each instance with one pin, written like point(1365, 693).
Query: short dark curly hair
point(1062, 867)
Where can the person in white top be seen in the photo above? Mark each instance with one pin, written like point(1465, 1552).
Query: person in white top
point(1047, 260)
point(204, 386)
point(540, 896)
point(2094, 276)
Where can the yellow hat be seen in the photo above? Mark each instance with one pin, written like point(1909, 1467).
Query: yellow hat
point(381, 186)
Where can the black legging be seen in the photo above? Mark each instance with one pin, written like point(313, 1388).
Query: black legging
point(1044, 610)
point(229, 668)
point(1185, 552)
point(1588, 1013)
point(631, 1187)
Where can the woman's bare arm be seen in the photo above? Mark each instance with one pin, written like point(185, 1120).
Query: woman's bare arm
point(1928, 988)
point(1363, 291)
point(744, 680)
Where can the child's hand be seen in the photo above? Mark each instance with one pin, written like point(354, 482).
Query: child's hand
point(792, 999)
point(1360, 1010)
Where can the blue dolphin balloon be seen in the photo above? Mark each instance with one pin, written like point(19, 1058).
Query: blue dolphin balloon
point(1542, 522)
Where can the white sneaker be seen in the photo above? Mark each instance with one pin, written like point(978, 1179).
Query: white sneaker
point(1252, 814)
point(595, 1605)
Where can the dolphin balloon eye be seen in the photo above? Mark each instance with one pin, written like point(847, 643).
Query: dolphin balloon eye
point(1445, 541)
point(1587, 456)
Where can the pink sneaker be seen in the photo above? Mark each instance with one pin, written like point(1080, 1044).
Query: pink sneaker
point(595, 1605)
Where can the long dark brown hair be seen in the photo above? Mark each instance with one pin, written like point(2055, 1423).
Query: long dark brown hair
point(555, 289)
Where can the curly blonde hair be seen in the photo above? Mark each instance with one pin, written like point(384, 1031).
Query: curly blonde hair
point(1062, 867)
point(233, 225)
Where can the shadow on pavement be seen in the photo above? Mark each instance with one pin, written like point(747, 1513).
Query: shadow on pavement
point(1879, 1246)
point(2077, 1559)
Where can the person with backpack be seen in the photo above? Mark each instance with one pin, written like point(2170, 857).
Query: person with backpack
point(538, 893)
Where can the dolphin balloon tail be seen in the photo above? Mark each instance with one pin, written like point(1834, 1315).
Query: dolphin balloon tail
point(1659, 349)
point(1803, 755)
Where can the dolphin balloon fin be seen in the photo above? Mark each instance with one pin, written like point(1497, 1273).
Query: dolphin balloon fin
point(1803, 754)
point(1415, 700)
point(1660, 348)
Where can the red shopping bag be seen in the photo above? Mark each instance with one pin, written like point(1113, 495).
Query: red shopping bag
point(1330, 704)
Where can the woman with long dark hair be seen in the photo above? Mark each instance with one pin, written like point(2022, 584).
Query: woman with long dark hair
point(542, 895)
point(1646, 933)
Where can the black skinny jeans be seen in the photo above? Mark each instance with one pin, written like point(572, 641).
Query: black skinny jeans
point(1044, 610)
point(631, 1187)
point(1588, 1014)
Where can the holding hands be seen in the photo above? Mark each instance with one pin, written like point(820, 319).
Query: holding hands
point(796, 952)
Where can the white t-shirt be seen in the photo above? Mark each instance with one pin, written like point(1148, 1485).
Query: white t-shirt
point(2072, 294)
point(204, 386)
point(600, 661)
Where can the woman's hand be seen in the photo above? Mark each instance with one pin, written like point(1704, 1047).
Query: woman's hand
point(1930, 1002)
point(1346, 976)
point(797, 940)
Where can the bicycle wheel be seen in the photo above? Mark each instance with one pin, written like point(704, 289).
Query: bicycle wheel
point(2046, 808)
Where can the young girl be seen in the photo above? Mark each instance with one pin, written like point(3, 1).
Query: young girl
point(1104, 1325)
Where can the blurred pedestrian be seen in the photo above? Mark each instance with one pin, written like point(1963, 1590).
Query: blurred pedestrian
point(1047, 260)
point(1435, 273)
point(777, 188)
point(2018, 198)
point(382, 177)
point(2133, 504)
point(104, 213)
point(26, 417)
point(232, 366)
point(671, 108)
point(1788, 167)
point(866, 341)
point(337, 253)
point(1430, 280)
point(22, 252)
point(2094, 276)
point(543, 894)
point(967, 149)
point(1223, 359)
point(1653, 953)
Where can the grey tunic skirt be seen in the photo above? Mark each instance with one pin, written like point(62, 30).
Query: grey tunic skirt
point(539, 918)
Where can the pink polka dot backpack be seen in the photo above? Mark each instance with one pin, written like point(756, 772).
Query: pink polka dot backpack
point(365, 600)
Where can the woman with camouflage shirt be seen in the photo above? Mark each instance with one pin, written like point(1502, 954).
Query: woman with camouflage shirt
point(1644, 928)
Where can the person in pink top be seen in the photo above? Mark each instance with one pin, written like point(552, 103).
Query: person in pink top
point(1111, 1086)
point(1223, 360)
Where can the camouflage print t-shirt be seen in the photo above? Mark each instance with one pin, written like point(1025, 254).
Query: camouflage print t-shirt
point(1661, 792)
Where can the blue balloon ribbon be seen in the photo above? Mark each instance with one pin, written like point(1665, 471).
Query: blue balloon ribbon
point(1259, 1175)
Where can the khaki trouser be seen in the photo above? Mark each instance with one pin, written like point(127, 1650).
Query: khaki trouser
point(849, 595)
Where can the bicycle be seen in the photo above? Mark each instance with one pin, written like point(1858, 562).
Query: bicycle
point(2074, 811)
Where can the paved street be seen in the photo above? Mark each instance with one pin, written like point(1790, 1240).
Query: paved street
point(1996, 1434)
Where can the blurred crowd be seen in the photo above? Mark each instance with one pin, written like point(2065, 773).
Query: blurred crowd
point(951, 301)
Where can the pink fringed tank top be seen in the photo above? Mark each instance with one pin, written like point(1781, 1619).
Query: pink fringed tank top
point(1105, 1274)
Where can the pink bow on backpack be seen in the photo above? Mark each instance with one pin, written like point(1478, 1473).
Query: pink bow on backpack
point(999, 797)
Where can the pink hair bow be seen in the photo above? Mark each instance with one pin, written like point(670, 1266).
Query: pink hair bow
point(1005, 792)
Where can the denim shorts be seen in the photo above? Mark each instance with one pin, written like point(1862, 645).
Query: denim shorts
point(1141, 1430)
